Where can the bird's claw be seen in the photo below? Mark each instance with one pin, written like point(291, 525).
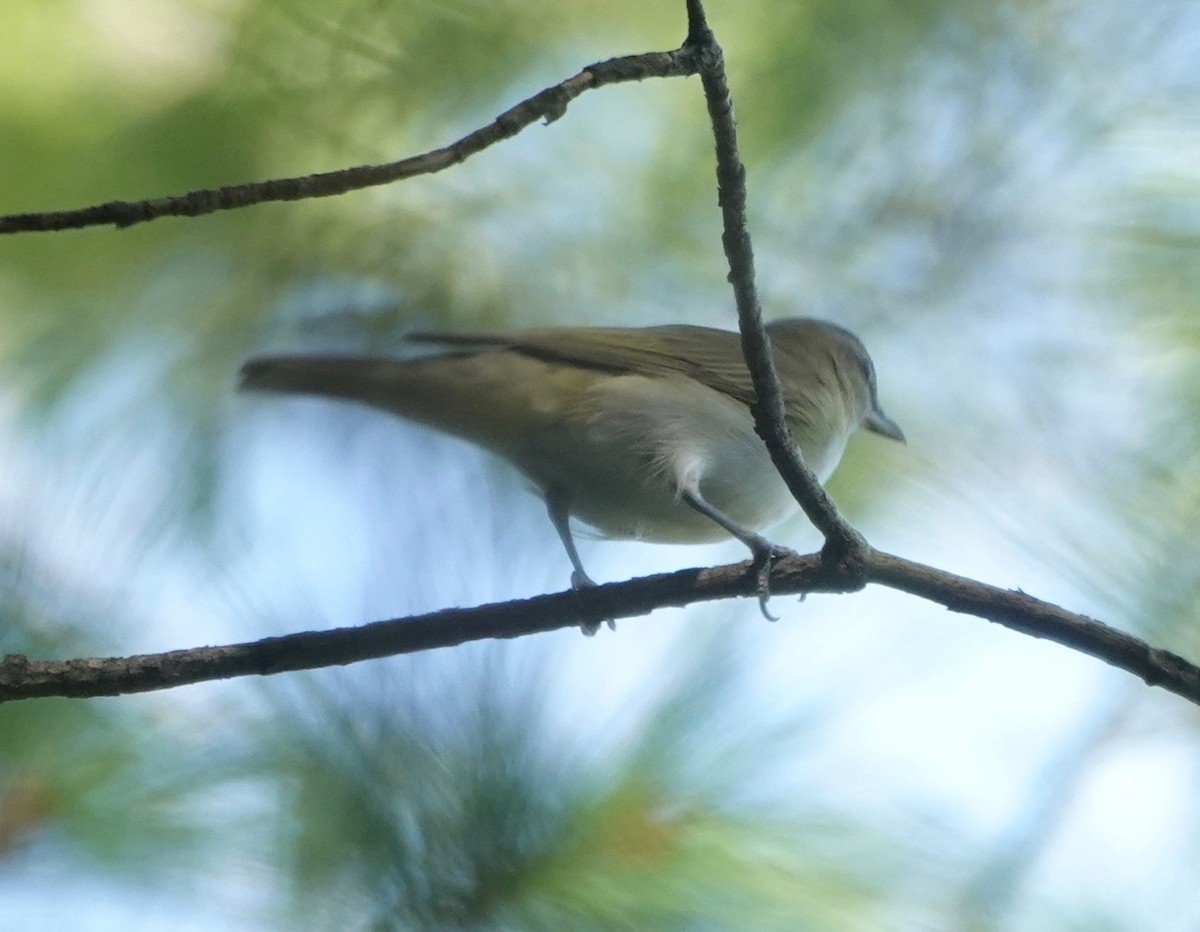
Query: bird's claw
point(765, 554)
point(581, 580)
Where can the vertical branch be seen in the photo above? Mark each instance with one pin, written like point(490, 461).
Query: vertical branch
point(842, 541)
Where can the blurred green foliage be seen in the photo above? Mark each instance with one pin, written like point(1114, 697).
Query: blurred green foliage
point(453, 798)
point(98, 783)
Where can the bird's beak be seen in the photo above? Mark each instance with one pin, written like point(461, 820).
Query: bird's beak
point(879, 423)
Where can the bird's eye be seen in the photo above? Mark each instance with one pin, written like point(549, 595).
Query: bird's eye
point(868, 370)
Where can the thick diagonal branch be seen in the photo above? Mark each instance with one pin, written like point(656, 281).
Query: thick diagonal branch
point(21, 678)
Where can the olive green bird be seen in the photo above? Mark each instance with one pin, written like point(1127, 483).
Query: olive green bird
point(641, 433)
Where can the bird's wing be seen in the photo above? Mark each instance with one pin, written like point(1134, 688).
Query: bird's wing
point(711, 357)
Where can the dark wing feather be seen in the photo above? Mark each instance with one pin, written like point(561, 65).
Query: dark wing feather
point(711, 357)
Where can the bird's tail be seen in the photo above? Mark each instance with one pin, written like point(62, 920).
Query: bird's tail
point(482, 397)
point(351, 377)
point(410, 388)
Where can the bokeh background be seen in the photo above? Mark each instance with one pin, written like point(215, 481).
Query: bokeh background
point(1001, 198)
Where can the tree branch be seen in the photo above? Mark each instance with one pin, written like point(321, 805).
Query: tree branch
point(21, 678)
point(845, 545)
point(548, 104)
point(1024, 613)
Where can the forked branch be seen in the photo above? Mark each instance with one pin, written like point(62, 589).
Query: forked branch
point(846, 564)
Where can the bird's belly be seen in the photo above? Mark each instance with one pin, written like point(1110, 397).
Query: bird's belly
point(625, 459)
point(630, 502)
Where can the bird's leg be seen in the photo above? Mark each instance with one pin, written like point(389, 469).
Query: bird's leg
point(764, 552)
point(558, 507)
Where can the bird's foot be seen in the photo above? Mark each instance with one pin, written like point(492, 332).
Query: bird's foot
point(581, 580)
point(765, 554)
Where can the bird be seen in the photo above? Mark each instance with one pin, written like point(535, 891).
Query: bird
point(642, 433)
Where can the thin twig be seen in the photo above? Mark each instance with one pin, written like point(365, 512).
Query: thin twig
point(846, 545)
point(548, 104)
